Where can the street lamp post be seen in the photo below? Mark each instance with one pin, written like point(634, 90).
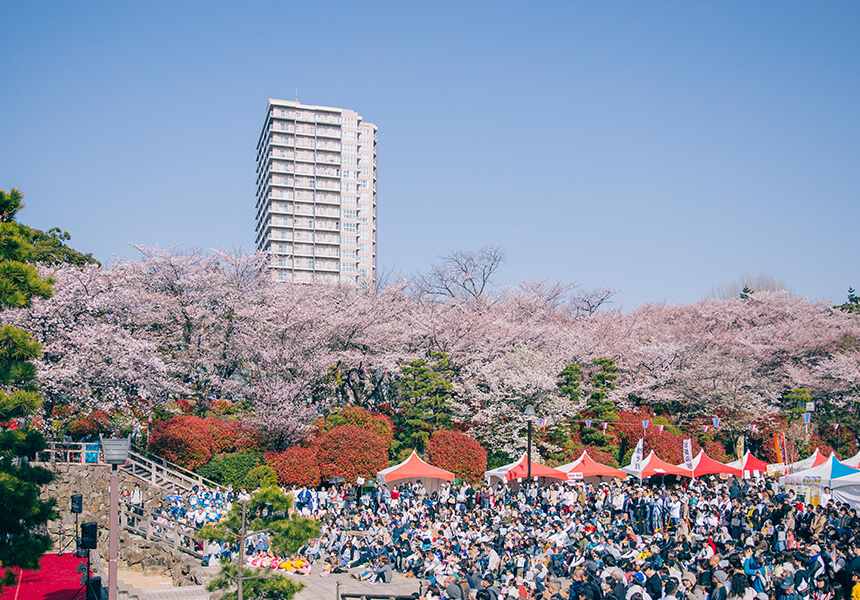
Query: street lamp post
point(115, 453)
point(530, 413)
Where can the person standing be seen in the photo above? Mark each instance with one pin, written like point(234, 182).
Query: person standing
point(136, 500)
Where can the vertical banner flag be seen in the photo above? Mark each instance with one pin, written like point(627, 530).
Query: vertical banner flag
point(806, 417)
point(644, 423)
point(636, 460)
point(660, 427)
point(716, 421)
point(688, 453)
point(779, 443)
point(588, 422)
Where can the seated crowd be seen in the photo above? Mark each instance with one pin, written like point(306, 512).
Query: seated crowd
point(709, 539)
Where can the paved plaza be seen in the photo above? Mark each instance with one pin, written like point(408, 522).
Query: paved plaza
point(326, 588)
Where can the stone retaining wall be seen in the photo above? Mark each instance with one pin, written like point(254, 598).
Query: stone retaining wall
point(92, 481)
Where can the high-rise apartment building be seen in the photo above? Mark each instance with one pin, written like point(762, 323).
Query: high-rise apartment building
point(316, 194)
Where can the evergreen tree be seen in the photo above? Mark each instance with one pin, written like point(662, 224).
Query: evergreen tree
point(22, 513)
point(853, 304)
point(598, 408)
point(266, 511)
point(424, 392)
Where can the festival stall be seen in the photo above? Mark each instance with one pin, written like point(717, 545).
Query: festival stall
point(750, 466)
point(813, 460)
point(412, 470)
point(808, 483)
point(705, 465)
point(517, 471)
point(652, 465)
point(587, 469)
point(847, 489)
point(853, 462)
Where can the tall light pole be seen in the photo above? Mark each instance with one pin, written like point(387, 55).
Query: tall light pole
point(530, 413)
point(115, 453)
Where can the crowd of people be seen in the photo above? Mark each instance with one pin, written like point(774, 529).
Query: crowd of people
point(705, 539)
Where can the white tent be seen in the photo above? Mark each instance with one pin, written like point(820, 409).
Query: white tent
point(518, 470)
point(820, 476)
point(847, 489)
point(853, 462)
point(813, 460)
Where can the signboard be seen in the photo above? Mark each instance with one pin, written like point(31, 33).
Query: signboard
point(571, 476)
point(688, 453)
point(810, 407)
point(779, 444)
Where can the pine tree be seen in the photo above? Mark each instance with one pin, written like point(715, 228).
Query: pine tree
point(424, 392)
point(22, 513)
point(266, 511)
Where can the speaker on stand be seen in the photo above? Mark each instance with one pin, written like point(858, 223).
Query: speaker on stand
point(76, 508)
point(91, 586)
point(89, 535)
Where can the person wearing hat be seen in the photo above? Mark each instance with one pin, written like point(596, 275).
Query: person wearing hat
point(787, 591)
point(693, 590)
point(719, 592)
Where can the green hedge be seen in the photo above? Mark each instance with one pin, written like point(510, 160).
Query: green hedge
point(230, 469)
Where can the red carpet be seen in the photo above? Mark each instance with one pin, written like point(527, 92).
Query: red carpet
point(57, 579)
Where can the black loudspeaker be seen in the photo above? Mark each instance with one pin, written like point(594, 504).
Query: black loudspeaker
point(94, 588)
point(77, 503)
point(89, 535)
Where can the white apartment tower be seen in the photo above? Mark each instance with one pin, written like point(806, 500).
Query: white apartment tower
point(316, 194)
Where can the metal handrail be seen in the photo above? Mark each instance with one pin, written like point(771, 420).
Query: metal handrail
point(181, 536)
point(90, 453)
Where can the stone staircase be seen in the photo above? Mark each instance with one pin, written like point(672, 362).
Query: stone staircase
point(148, 542)
point(164, 474)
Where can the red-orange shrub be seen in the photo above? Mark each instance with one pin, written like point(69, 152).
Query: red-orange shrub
point(94, 423)
point(350, 452)
point(360, 417)
point(458, 453)
point(184, 440)
point(295, 466)
point(232, 436)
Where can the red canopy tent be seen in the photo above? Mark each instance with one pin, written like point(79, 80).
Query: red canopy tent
point(750, 465)
point(705, 465)
point(585, 466)
point(519, 470)
point(652, 465)
point(412, 469)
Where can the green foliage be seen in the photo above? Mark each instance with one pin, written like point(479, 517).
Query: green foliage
point(570, 381)
point(261, 476)
point(49, 247)
point(256, 583)
point(746, 292)
point(496, 459)
point(603, 381)
point(19, 282)
point(423, 394)
point(600, 380)
point(853, 304)
point(287, 535)
point(231, 469)
point(23, 513)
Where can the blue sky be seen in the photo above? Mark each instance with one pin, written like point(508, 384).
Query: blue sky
point(657, 148)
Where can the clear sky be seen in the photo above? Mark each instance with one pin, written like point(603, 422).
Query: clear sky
point(659, 148)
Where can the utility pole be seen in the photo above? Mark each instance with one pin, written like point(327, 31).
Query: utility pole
point(239, 593)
